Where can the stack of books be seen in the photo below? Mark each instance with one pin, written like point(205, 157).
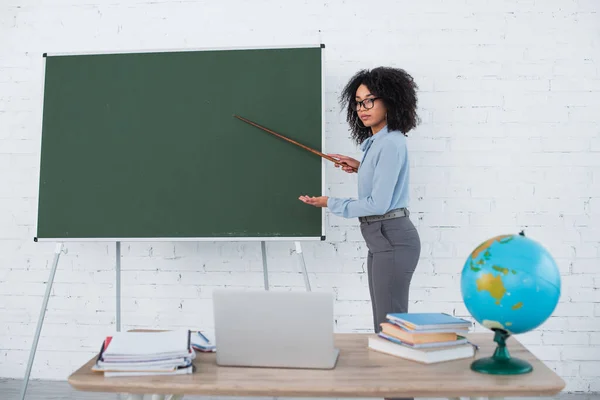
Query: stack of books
point(146, 353)
point(424, 337)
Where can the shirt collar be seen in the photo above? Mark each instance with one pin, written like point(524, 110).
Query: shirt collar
point(367, 143)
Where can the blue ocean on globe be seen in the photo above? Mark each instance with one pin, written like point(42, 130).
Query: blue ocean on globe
point(510, 282)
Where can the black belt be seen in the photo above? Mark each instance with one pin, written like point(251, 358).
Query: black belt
point(397, 213)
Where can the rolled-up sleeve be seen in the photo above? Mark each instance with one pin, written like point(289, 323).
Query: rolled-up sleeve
point(385, 179)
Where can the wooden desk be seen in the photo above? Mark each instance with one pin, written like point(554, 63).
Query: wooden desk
point(360, 372)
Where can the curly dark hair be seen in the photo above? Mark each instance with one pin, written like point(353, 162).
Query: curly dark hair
point(395, 87)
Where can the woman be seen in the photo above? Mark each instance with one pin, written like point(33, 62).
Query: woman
point(381, 110)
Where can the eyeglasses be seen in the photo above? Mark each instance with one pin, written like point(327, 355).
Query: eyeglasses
point(367, 104)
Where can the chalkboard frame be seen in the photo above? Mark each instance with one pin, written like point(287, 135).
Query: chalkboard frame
point(196, 239)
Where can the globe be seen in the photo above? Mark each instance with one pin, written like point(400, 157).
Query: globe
point(510, 284)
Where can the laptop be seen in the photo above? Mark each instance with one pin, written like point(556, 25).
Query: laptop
point(260, 328)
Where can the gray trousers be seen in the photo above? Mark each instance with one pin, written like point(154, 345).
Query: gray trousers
point(394, 249)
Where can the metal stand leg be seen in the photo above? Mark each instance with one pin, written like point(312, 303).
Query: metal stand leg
point(264, 258)
point(38, 330)
point(118, 269)
point(303, 266)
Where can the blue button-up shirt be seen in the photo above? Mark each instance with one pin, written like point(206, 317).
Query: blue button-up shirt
point(383, 178)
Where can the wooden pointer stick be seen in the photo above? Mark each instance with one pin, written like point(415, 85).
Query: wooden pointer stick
point(294, 142)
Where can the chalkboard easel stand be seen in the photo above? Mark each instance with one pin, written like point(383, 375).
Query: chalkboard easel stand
point(58, 250)
point(300, 257)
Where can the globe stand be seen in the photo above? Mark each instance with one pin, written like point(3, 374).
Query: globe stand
point(501, 363)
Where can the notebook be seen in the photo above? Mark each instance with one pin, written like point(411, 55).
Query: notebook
point(459, 340)
point(423, 355)
point(429, 321)
point(146, 353)
point(148, 346)
point(416, 337)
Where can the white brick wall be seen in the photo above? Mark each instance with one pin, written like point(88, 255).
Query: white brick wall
point(510, 93)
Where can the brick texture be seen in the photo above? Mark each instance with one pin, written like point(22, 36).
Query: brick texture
point(509, 140)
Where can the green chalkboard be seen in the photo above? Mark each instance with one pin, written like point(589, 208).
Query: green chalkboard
point(145, 145)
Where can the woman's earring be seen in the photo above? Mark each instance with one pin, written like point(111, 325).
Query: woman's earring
point(356, 123)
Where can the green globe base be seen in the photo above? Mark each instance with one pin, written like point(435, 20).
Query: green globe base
point(501, 363)
point(492, 366)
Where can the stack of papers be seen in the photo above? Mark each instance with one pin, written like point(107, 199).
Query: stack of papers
point(146, 353)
